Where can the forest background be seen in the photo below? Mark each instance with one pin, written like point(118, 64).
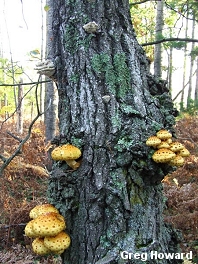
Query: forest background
point(167, 30)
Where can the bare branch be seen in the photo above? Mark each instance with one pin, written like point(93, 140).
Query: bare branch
point(3, 158)
point(15, 137)
point(168, 39)
point(18, 150)
point(137, 3)
point(180, 13)
point(31, 83)
point(182, 88)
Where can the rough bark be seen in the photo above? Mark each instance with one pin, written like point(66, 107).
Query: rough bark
point(114, 201)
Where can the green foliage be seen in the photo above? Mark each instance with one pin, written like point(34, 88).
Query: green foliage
point(194, 53)
point(176, 44)
point(46, 8)
point(190, 109)
point(7, 70)
point(9, 74)
point(144, 15)
point(143, 19)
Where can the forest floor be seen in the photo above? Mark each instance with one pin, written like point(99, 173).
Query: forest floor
point(25, 183)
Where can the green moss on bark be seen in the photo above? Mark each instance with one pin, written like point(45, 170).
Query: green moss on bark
point(114, 71)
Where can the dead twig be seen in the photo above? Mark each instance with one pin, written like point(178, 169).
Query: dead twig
point(18, 150)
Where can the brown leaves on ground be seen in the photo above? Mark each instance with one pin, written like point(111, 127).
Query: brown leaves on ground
point(23, 183)
point(181, 188)
point(19, 254)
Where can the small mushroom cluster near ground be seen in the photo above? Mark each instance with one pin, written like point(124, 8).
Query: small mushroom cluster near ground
point(168, 151)
point(47, 228)
point(67, 153)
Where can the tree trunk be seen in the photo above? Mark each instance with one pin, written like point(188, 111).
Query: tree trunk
point(20, 108)
point(109, 104)
point(189, 97)
point(170, 69)
point(196, 86)
point(158, 35)
point(184, 66)
point(50, 114)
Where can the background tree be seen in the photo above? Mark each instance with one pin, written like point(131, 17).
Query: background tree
point(109, 104)
point(158, 35)
point(50, 115)
point(175, 36)
point(189, 97)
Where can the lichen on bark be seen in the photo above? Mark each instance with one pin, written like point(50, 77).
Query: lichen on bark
point(114, 200)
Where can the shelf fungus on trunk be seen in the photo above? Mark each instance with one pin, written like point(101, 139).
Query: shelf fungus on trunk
point(153, 141)
point(42, 209)
point(91, 27)
point(164, 134)
point(58, 243)
point(168, 151)
point(163, 155)
point(177, 161)
point(39, 248)
point(67, 153)
point(46, 68)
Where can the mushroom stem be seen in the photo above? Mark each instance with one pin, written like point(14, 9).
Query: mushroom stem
point(73, 164)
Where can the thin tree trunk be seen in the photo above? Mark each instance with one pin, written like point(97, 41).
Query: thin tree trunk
point(158, 35)
point(20, 108)
point(6, 104)
point(109, 104)
point(189, 97)
point(170, 69)
point(196, 86)
point(184, 68)
point(50, 98)
point(42, 91)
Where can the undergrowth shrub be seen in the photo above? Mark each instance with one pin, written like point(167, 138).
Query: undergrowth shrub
point(181, 188)
point(23, 183)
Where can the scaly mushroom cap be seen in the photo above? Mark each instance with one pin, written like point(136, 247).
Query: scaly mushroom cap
point(163, 155)
point(58, 252)
point(163, 144)
point(66, 152)
point(177, 161)
point(42, 209)
point(164, 134)
point(153, 141)
point(39, 247)
point(57, 243)
point(169, 141)
point(183, 152)
point(176, 146)
point(49, 224)
point(29, 230)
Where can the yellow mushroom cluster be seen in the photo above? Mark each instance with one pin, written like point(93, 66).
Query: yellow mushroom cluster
point(67, 153)
point(170, 152)
point(47, 228)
